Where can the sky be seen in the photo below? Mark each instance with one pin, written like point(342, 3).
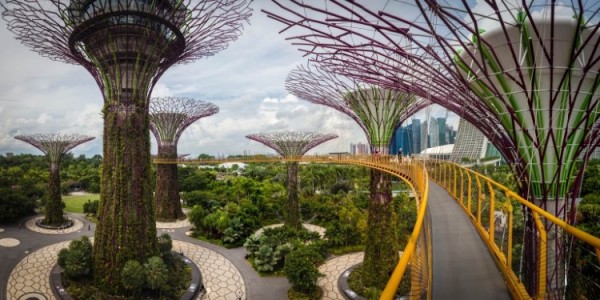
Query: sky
point(246, 81)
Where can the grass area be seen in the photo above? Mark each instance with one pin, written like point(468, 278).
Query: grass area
point(75, 203)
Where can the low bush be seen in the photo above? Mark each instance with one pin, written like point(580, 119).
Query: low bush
point(76, 260)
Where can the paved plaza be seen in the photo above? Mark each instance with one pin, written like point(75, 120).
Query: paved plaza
point(226, 273)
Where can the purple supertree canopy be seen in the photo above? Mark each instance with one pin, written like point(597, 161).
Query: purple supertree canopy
point(126, 45)
point(205, 26)
point(170, 116)
point(378, 111)
point(291, 143)
point(54, 145)
point(347, 38)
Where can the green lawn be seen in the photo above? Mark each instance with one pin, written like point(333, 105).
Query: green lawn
point(75, 203)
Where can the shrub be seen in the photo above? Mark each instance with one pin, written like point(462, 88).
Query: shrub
point(91, 207)
point(156, 272)
point(165, 244)
point(266, 258)
point(301, 270)
point(13, 205)
point(76, 260)
point(133, 276)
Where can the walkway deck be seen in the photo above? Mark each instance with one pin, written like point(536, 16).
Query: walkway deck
point(462, 265)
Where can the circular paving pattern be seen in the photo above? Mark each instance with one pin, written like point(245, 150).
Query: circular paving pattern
point(9, 242)
point(221, 278)
point(33, 296)
point(310, 227)
point(332, 270)
point(177, 224)
point(30, 224)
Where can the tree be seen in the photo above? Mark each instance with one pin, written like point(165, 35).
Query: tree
point(292, 145)
point(55, 146)
point(169, 117)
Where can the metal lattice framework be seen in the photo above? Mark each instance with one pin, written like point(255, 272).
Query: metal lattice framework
point(170, 116)
point(378, 111)
point(525, 73)
point(291, 143)
point(55, 146)
point(149, 36)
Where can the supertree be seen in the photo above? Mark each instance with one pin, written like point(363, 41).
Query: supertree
point(169, 117)
point(292, 144)
point(126, 46)
point(525, 73)
point(379, 112)
point(55, 146)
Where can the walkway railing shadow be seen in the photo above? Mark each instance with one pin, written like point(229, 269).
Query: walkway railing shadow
point(416, 255)
point(497, 214)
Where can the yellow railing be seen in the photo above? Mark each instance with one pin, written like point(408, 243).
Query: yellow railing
point(492, 210)
point(417, 253)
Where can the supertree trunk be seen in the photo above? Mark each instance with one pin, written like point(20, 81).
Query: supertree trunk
point(381, 249)
point(54, 209)
point(292, 217)
point(168, 204)
point(126, 214)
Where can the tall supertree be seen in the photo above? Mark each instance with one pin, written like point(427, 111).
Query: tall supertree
point(55, 146)
point(169, 117)
point(126, 46)
point(379, 112)
point(526, 73)
point(292, 144)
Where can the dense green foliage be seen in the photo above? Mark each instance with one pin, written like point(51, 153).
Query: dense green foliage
point(269, 250)
point(91, 207)
point(13, 205)
point(24, 181)
point(76, 260)
point(301, 270)
point(159, 277)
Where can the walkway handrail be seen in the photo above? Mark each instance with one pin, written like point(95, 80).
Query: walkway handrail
point(460, 183)
point(413, 173)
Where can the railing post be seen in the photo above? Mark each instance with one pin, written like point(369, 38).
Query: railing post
point(509, 220)
point(469, 193)
point(542, 261)
point(462, 187)
point(492, 217)
point(455, 183)
point(478, 200)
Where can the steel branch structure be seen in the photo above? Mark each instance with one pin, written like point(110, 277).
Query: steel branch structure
point(169, 117)
point(526, 73)
point(292, 144)
point(55, 146)
point(378, 111)
point(126, 45)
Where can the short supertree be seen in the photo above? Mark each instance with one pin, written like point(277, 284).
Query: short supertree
point(126, 46)
point(292, 144)
point(526, 73)
point(55, 146)
point(169, 117)
point(379, 112)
